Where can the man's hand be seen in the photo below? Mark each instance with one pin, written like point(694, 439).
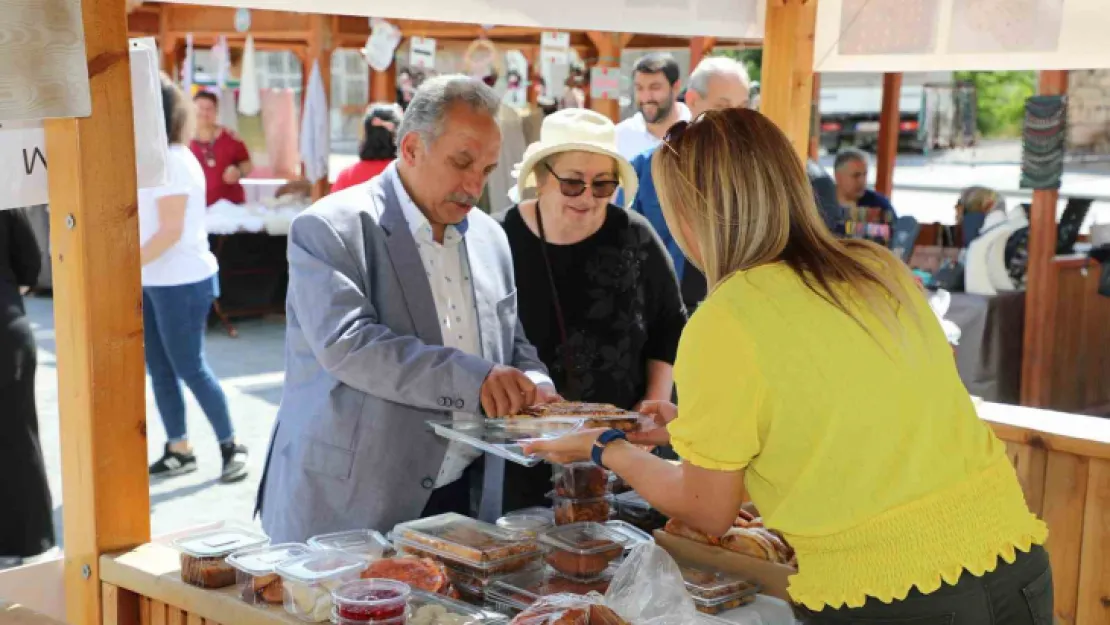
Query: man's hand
point(232, 174)
point(506, 391)
point(661, 413)
point(546, 394)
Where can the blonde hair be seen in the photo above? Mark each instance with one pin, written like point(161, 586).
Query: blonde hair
point(732, 178)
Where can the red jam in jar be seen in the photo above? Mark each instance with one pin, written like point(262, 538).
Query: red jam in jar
point(371, 600)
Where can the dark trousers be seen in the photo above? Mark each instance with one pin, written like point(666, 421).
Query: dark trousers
point(460, 496)
point(27, 524)
point(1013, 594)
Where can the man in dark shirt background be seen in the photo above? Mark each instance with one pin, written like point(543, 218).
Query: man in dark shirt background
point(222, 154)
point(868, 213)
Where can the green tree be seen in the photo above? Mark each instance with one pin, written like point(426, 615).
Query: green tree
point(752, 58)
point(1001, 100)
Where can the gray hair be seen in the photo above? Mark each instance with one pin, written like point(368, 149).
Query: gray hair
point(429, 105)
point(717, 66)
point(850, 155)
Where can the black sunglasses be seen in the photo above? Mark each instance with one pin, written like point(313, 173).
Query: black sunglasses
point(572, 187)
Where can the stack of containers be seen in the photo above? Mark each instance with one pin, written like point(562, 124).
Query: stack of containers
point(714, 592)
point(474, 553)
point(370, 602)
point(256, 571)
point(582, 493)
point(580, 558)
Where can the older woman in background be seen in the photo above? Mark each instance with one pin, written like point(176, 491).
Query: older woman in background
point(378, 147)
point(598, 294)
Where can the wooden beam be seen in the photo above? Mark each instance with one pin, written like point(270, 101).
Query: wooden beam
point(383, 84)
point(699, 47)
point(1040, 292)
point(609, 48)
point(94, 231)
point(890, 118)
point(787, 86)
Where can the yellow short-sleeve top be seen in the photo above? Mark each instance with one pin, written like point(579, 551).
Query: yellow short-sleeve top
point(864, 450)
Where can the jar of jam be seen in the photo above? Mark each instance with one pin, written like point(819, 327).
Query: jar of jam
point(374, 601)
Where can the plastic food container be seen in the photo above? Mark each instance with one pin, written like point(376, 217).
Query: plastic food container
point(309, 580)
point(377, 601)
point(576, 510)
point(459, 541)
point(364, 543)
point(431, 609)
point(714, 592)
point(255, 571)
point(581, 480)
point(631, 508)
point(514, 593)
point(633, 535)
point(203, 555)
point(582, 550)
point(529, 523)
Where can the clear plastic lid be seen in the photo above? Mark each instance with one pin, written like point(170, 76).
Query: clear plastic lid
point(459, 538)
point(219, 543)
point(560, 500)
point(632, 534)
point(530, 522)
point(520, 590)
point(456, 562)
point(376, 599)
point(366, 543)
point(710, 588)
point(320, 566)
point(264, 560)
point(585, 539)
point(430, 605)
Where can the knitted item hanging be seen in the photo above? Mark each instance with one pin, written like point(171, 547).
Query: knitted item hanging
point(1044, 140)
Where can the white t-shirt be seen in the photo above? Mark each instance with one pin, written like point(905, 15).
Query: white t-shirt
point(633, 137)
point(189, 260)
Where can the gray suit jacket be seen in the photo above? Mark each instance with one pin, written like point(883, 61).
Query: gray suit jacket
point(366, 367)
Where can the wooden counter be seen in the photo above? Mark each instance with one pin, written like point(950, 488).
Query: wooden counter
point(147, 582)
point(1063, 463)
point(15, 614)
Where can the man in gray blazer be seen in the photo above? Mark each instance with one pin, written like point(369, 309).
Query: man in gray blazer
point(401, 308)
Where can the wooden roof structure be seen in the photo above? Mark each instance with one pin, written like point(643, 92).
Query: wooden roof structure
point(99, 334)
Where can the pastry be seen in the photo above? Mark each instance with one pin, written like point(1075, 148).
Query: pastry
point(749, 542)
point(420, 573)
point(206, 572)
point(581, 480)
point(680, 529)
point(592, 564)
point(569, 511)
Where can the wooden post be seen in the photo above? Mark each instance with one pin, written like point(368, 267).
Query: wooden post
point(383, 85)
point(787, 87)
point(94, 230)
point(319, 52)
point(890, 119)
point(699, 47)
point(1040, 292)
point(609, 47)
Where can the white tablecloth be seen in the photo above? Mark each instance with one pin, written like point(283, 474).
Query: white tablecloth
point(272, 217)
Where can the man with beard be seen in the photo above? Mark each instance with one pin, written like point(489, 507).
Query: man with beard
point(716, 83)
point(655, 77)
point(401, 308)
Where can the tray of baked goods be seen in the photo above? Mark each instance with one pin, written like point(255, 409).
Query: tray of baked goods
point(495, 439)
point(461, 541)
point(586, 414)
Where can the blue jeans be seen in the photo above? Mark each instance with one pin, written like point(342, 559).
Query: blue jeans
point(175, 319)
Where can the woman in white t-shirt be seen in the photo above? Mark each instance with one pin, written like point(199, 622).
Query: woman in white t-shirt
point(180, 283)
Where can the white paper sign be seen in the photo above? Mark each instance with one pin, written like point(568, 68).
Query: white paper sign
point(422, 53)
point(605, 83)
point(383, 42)
point(22, 164)
point(554, 47)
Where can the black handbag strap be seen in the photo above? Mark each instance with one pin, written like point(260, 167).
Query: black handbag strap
point(559, 318)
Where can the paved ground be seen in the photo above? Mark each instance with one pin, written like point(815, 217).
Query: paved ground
point(250, 368)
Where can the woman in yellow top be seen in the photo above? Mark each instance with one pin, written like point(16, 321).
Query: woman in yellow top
point(816, 379)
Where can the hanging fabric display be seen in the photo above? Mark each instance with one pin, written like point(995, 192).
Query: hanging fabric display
point(250, 96)
point(1044, 142)
point(314, 143)
point(187, 67)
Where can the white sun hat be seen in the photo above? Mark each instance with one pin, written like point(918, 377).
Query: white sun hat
point(576, 130)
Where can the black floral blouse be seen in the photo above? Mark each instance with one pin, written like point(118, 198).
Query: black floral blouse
point(619, 298)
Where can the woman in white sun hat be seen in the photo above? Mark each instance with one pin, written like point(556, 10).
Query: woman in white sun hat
point(596, 290)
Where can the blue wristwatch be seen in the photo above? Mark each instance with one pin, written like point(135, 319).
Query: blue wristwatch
point(608, 436)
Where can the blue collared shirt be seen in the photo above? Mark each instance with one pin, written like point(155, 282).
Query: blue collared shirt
point(647, 204)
